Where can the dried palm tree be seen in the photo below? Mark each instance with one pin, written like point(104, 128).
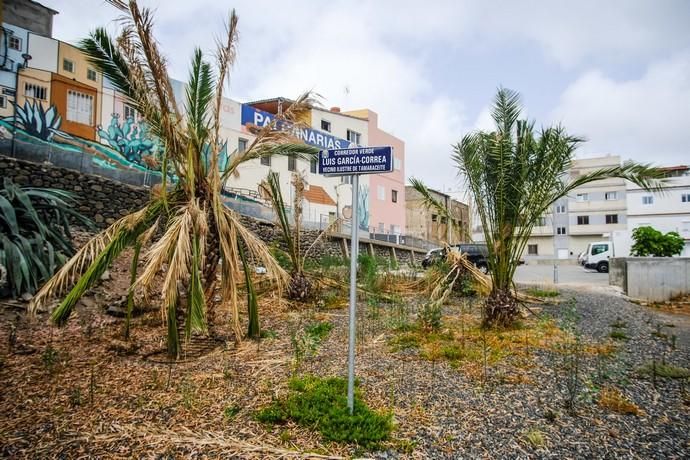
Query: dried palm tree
point(192, 234)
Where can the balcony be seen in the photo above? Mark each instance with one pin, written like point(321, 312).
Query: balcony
point(583, 207)
point(596, 229)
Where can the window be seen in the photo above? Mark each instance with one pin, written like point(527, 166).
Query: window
point(685, 228)
point(326, 125)
point(3, 102)
point(611, 218)
point(610, 196)
point(266, 160)
point(397, 164)
point(35, 91)
point(582, 197)
point(79, 107)
point(345, 179)
point(533, 249)
point(582, 220)
point(394, 196)
point(91, 74)
point(599, 248)
point(130, 112)
point(67, 65)
point(292, 163)
point(560, 209)
point(648, 199)
point(395, 229)
point(381, 192)
point(312, 166)
point(382, 227)
point(541, 221)
point(444, 220)
point(241, 145)
point(434, 217)
point(685, 198)
point(560, 230)
point(14, 43)
point(354, 137)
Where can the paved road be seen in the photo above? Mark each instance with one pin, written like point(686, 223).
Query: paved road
point(567, 275)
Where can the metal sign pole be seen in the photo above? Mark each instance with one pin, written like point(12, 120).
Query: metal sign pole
point(354, 252)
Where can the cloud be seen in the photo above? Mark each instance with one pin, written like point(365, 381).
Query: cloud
point(645, 119)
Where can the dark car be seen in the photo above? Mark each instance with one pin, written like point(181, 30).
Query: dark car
point(433, 256)
point(478, 254)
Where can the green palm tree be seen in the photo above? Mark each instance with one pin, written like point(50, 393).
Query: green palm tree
point(193, 234)
point(514, 174)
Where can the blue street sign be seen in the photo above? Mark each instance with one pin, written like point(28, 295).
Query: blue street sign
point(356, 160)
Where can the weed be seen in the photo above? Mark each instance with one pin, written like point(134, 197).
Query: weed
point(542, 293)
point(285, 436)
point(331, 300)
point(612, 399)
point(407, 446)
point(550, 415)
point(535, 438)
point(617, 334)
point(405, 341)
point(619, 324)
point(75, 397)
point(231, 411)
point(322, 404)
point(188, 391)
point(430, 317)
point(368, 271)
point(668, 371)
point(268, 334)
point(50, 358)
point(318, 331)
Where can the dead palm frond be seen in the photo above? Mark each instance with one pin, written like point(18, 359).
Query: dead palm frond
point(191, 234)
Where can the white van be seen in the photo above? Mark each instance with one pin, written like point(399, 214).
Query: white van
point(597, 255)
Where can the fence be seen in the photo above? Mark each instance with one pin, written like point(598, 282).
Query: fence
point(76, 159)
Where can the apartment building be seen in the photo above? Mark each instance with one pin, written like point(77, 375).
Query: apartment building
point(591, 212)
point(668, 211)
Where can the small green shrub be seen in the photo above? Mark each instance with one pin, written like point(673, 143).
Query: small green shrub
point(321, 404)
point(281, 257)
point(617, 334)
point(668, 371)
point(649, 241)
point(268, 334)
point(318, 331)
point(231, 411)
point(543, 293)
point(368, 271)
point(405, 341)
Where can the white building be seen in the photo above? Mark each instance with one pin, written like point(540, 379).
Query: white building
point(668, 211)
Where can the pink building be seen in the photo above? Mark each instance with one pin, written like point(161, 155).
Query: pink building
point(386, 191)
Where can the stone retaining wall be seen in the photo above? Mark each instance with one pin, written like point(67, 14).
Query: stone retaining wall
point(105, 200)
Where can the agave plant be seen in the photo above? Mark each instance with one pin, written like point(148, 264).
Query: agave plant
point(193, 236)
point(36, 121)
point(34, 234)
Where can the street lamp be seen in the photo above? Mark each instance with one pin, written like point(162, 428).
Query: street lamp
point(23, 65)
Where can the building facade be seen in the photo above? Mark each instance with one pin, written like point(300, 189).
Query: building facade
point(668, 211)
point(426, 224)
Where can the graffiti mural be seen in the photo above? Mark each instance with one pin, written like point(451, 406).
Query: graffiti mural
point(363, 207)
point(36, 121)
point(132, 139)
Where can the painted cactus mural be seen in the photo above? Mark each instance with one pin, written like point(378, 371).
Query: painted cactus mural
point(132, 139)
point(363, 207)
point(37, 121)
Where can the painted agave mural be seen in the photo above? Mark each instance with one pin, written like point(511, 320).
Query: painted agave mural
point(36, 121)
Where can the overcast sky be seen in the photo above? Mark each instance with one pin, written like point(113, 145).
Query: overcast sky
point(615, 72)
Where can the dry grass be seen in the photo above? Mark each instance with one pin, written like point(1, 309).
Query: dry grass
point(612, 399)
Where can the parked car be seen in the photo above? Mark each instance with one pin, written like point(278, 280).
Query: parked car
point(597, 256)
point(476, 253)
point(432, 256)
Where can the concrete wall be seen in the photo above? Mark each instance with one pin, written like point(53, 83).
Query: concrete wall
point(653, 279)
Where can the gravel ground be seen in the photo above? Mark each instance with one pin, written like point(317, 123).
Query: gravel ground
point(449, 416)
